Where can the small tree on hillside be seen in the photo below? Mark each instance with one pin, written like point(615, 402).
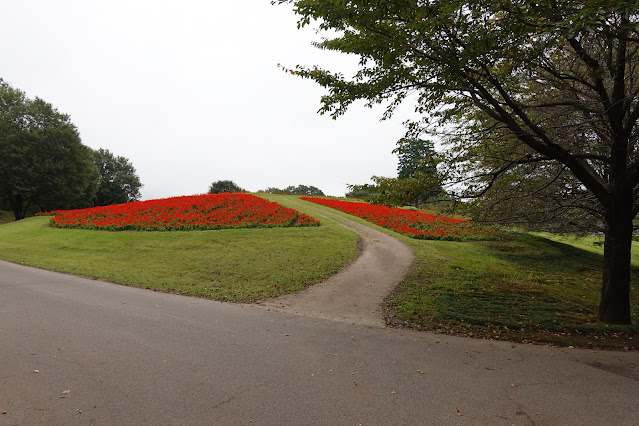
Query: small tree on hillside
point(220, 186)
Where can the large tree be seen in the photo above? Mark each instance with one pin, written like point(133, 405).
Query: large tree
point(117, 182)
point(487, 159)
point(43, 162)
point(561, 78)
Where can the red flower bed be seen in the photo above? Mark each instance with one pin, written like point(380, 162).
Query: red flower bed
point(409, 222)
point(208, 211)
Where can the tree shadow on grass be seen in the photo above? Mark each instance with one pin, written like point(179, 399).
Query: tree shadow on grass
point(516, 288)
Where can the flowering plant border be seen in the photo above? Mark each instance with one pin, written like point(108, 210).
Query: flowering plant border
point(195, 212)
point(412, 223)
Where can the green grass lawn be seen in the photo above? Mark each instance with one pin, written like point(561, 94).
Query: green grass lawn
point(232, 265)
point(523, 288)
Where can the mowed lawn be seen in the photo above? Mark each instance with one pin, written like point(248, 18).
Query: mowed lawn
point(239, 265)
point(524, 288)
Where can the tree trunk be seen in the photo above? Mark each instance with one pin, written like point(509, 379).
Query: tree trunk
point(17, 205)
point(614, 307)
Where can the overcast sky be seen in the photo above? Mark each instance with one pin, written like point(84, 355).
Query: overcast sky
point(190, 92)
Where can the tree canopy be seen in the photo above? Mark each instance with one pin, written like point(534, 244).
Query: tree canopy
point(303, 190)
point(117, 181)
point(220, 186)
point(42, 159)
point(557, 81)
point(292, 189)
point(415, 155)
point(417, 181)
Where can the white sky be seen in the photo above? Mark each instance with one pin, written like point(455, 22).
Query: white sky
point(190, 92)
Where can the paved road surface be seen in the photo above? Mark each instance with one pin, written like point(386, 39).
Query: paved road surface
point(130, 356)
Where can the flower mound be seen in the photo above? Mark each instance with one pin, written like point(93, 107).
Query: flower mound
point(411, 223)
point(199, 212)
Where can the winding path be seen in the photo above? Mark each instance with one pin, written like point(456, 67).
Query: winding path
point(354, 294)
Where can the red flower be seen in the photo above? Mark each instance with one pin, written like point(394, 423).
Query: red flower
point(208, 211)
point(409, 222)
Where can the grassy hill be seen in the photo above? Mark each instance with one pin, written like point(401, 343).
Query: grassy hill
point(232, 265)
point(536, 288)
point(524, 287)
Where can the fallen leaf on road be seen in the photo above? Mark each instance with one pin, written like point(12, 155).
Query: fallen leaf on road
point(79, 411)
point(458, 412)
point(35, 371)
point(393, 393)
point(3, 412)
point(64, 392)
point(514, 385)
point(420, 371)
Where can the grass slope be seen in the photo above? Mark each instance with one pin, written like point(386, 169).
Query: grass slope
point(233, 265)
point(525, 288)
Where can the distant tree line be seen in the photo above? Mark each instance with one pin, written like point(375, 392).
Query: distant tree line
point(297, 190)
point(44, 165)
point(220, 186)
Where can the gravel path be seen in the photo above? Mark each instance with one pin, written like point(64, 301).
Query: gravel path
point(354, 294)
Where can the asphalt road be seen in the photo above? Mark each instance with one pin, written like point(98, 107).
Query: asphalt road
point(78, 351)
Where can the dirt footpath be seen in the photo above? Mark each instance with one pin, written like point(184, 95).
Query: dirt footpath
point(354, 294)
